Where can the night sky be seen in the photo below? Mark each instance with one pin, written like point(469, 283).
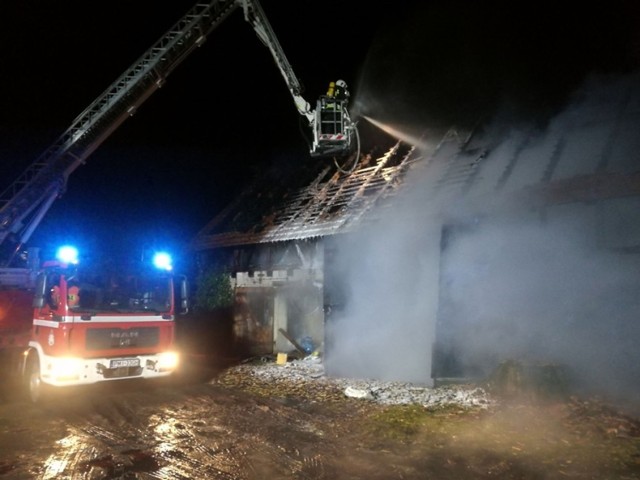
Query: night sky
point(225, 114)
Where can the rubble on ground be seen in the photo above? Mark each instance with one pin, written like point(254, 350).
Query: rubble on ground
point(306, 377)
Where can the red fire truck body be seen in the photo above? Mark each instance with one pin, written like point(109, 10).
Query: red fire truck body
point(65, 325)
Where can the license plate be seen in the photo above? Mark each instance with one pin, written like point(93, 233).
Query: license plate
point(124, 362)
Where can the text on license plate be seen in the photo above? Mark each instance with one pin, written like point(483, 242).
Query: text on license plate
point(124, 362)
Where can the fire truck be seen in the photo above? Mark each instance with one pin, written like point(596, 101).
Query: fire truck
point(64, 322)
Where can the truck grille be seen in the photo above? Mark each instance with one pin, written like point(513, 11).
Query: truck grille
point(110, 338)
point(122, 372)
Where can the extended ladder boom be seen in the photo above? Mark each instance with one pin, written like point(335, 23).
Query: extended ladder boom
point(24, 203)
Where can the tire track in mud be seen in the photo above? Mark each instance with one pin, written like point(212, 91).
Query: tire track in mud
point(175, 430)
point(222, 437)
point(206, 433)
point(102, 441)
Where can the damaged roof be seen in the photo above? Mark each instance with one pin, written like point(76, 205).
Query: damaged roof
point(310, 200)
point(587, 152)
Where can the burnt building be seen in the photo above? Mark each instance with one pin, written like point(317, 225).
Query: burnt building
point(443, 258)
point(274, 240)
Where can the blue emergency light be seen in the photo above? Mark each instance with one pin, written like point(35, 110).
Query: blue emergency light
point(67, 254)
point(162, 261)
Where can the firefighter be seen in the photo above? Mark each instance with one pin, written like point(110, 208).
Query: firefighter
point(73, 296)
point(331, 91)
point(341, 92)
point(54, 297)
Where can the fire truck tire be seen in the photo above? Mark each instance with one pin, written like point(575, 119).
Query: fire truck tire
point(35, 388)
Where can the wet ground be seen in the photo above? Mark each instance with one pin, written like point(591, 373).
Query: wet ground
point(216, 419)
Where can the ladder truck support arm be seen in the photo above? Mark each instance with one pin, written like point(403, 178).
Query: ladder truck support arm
point(333, 132)
point(255, 16)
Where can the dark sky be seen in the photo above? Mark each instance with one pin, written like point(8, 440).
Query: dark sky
point(225, 114)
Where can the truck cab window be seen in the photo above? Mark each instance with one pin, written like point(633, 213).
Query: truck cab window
point(53, 291)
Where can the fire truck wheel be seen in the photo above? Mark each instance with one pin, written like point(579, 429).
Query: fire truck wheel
point(35, 387)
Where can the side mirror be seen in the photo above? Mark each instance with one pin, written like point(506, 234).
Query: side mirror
point(184, 295)
point(39, 297)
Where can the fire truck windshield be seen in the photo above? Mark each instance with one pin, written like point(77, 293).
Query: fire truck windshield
point(119, 293)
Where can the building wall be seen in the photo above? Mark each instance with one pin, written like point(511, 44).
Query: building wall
point(274, 300)
point(383, 282)
point(557, 285)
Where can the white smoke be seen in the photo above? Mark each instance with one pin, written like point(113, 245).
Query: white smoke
point(562, 288)
point(539, 293)
point(383, 332)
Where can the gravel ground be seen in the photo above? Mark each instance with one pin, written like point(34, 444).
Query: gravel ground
point(310, 371)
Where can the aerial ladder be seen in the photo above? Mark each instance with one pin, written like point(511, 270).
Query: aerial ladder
point(25, 202)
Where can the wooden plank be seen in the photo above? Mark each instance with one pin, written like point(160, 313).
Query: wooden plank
point(293, 342)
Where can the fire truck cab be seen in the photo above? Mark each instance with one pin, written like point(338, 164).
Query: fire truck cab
point(90, 324)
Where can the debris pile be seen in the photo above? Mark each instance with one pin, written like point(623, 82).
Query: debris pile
point(593, 416)
point(307, 377)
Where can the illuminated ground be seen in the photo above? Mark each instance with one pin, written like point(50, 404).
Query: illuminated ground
point(236, 422)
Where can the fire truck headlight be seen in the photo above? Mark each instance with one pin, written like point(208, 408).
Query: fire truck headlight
point(65, 368)
point(168, 361)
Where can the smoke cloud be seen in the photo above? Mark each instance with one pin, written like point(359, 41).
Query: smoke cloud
point(382, 332)
point(497, 280)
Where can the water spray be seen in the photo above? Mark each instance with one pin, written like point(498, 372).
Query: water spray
point(398, 134)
